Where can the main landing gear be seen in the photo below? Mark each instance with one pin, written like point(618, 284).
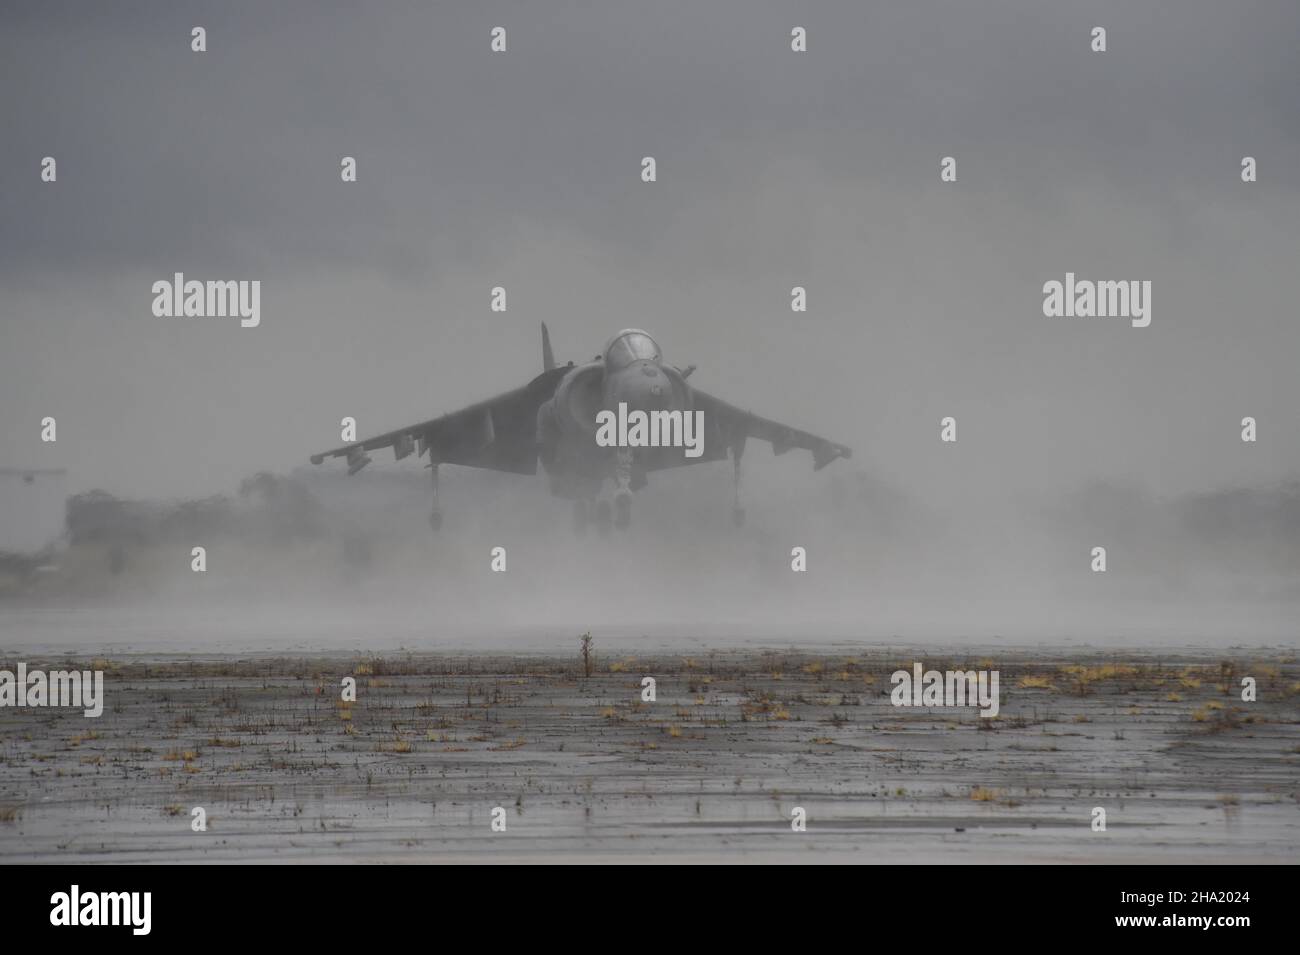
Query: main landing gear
point(602, 513)
point(603, 517)
point(623, 492)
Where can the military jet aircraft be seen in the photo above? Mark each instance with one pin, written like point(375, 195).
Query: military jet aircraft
point(554, 419)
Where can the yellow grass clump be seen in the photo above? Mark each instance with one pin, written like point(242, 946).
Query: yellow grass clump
point(1032, 682)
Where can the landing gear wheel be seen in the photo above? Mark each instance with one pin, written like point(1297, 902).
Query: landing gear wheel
point(738, 516)
point(580, 518)
point(622, 511)
point(604, 518)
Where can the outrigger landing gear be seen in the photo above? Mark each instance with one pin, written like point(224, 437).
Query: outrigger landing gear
point(435, 518)
point(737, 512)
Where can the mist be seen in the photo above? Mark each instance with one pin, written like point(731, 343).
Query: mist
point(775, 171)
point(318, 559)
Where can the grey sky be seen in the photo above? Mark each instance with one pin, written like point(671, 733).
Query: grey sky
point(776, 169)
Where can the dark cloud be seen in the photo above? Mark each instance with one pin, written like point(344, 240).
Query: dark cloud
point(775, 169)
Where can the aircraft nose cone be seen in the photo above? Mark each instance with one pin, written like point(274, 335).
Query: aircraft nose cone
point(646, 391)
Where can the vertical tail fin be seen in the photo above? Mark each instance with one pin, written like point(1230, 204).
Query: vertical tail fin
point(548, 357)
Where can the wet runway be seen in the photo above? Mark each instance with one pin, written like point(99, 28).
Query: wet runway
point(437, 748)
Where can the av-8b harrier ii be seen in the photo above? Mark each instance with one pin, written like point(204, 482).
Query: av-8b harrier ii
point(614, 419)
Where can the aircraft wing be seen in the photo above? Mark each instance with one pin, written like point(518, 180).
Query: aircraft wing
point(499, 434)
point(726, 427)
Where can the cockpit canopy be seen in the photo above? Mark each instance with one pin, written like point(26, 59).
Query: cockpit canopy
point(628, 346)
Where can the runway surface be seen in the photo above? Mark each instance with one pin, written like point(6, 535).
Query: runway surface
point(436, 747)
